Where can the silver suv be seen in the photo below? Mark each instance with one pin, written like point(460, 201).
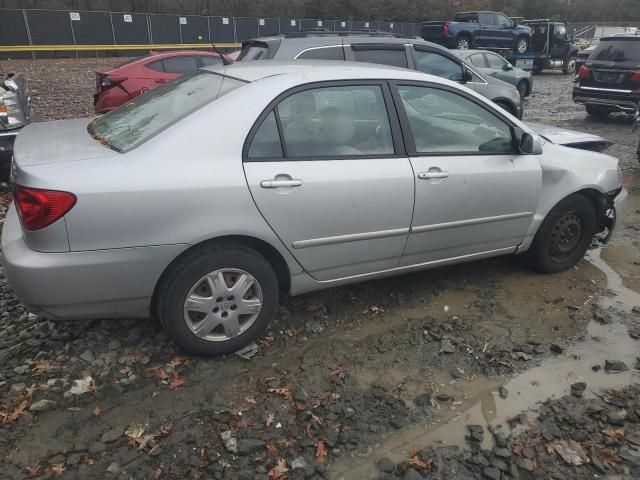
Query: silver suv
point(387, 49)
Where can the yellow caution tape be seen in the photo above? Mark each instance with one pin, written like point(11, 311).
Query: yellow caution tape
point(74, 48)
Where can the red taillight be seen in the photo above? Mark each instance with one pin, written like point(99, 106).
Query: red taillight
point(40, 208)
point(636, 77)
point(445, 28)
point(584, 72)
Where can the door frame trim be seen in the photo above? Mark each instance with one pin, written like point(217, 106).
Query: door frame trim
point(352, 237)
point(472, 221)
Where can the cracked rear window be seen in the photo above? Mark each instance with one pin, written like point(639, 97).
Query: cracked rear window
point(140, 119)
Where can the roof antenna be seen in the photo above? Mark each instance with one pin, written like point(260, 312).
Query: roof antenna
point(224, 59)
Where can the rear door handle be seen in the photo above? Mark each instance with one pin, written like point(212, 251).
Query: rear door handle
point(280, 183)
point(433, 174)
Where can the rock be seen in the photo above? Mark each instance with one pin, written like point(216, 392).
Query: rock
point(615, 366)
point(500, 439)
point(443, 397)
point(412, 475)
point(114, 468)
point(526, 464)
point(230, 443)
point(399, 422)
point(503, 392)
point(596, 368)
point(298, 463)
point(447, 346)
point(502, 452)
point(314, 327)
point(423, 400)
point(636, 310)
point(492, 473)
point(529, 453)
point(521, 356)
point(42, 406)
point(300, 395)
point(555, 348)
point(630, 456)
point(97, 447)
point(18, 387)
point(111, 435)
point(385, 465)
point(578, 388)
point(616, 418)
point(457, 373)
point(251, 445)
point(87, 356)
point(479, 460)
point(21, 370)
point(81, 386)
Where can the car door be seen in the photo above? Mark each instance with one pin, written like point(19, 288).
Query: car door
point(475, 194)
point(504, 31)
point(328, 172)
point(499, 68)
point(488, 33)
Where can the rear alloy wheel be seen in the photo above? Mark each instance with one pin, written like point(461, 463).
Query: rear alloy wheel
point(523, 88)
point(217, 300)
point(569, 66)
point(522, 45)
point(564, 236)
point(463, 43)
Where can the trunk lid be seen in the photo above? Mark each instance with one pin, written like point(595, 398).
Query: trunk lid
point(55, 142)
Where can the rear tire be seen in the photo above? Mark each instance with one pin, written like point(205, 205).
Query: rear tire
point(463, 43)
point(564, 236)
point(208, 276)
point(522, 45)
point(597, 112)
point(505, 106)
point(570, 66)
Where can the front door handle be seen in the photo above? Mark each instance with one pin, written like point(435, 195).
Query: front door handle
point(432, 174)
point(280, 183)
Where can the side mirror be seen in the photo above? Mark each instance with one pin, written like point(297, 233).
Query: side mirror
point(507, 67)
point(467, 76)
point(531, 144)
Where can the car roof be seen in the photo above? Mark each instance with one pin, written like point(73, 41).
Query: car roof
point(154, 56)
point(621, 36)
point(326, 70)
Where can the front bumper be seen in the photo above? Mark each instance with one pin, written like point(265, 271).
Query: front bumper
point(612, 101)
point(115, 283)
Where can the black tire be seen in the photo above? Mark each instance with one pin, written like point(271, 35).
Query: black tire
point(564, 236)
point(570, 66)
point(463, 43)
point(536, 70)
point(522, 45)
point(185, 272)
point(597, 112)
point(523, 88)
point(507, 107)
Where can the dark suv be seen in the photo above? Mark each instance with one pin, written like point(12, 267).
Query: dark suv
point(610, 79)
point(383, 48)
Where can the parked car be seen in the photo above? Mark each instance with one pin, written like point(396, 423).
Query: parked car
point(293, 177)
point(135, 77)
point(384, 48)
point(494, 65)
point(610, 80)
point(479, 30)
point(15, 113)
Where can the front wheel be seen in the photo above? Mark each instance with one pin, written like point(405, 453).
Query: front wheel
point(569, 66)
point(522, 45)
point(523, 88)
point(564, 236)
point(218, 299)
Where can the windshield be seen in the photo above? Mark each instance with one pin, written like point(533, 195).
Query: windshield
point(137, 121)
point(617, 51)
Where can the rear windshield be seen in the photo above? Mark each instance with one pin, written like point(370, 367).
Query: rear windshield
point(137, 121)
point(617, 51)
point(254, 51)
point(466, 17)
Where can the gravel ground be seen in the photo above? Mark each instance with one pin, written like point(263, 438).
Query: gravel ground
point(367, 378)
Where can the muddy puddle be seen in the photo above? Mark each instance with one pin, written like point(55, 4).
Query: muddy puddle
point(482, 405)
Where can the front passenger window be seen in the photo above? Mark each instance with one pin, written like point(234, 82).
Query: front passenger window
point(439, 65)
point(443, 122)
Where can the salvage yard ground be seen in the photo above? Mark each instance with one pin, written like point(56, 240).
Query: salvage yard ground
point(439, 374)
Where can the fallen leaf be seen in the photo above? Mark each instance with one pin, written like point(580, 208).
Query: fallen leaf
point(97, 411)
point(249, 399)
point(415, 460)
point(283, 391)
point(272, 449)
point(279, 470)
point(157, 473)
point(158, 371)
point(30, 391)
point(13, 416)
point(176, 382)
point(270, 419)
point(57, 469)
point(321, 451)
point(33, 472)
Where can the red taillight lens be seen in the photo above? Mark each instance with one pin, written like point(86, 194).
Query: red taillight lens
point(636, 77)
point(40, 208)
point(584, 72)
point(445, 28)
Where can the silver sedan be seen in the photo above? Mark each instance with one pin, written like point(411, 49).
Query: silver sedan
point(204, 201)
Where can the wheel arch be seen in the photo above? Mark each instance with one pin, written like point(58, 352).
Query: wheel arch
point(467, 35)
point(264, 248)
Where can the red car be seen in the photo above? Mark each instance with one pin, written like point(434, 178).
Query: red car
point(121, 84)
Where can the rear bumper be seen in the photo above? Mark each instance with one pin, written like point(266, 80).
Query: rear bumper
point(611, 100)
point(113, 283)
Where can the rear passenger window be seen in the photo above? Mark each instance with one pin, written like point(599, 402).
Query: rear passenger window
point(439, 65)
point(182, 64)
point(336, 122)
point(478, 60)
point(157, 66)
point(266, 142)
point(395, 58)
point(323, 53)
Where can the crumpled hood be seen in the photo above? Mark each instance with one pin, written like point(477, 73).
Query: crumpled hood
point(564, 136)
